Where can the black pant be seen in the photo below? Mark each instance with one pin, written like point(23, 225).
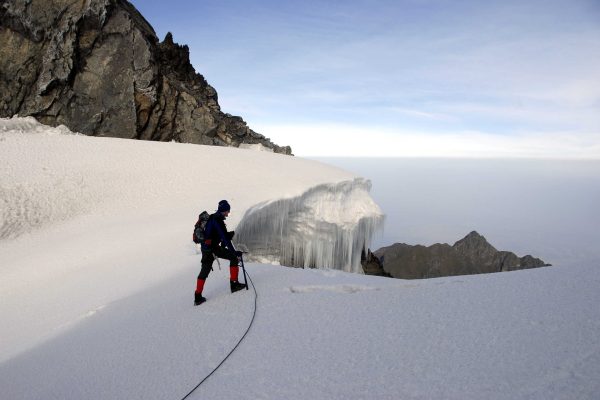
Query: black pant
point(208, 257)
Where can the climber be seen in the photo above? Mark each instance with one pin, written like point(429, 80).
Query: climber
point(217, 243)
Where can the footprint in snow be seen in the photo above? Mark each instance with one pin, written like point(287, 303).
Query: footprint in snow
point(92, 312)
point(330, 288)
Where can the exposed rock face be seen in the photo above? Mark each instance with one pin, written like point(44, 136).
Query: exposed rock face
point(470, 255)
point(97, 67)
point(371, 264)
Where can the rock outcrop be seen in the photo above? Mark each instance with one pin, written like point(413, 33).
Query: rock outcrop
point(470, 255)
point(97, 67)
point(372, 265)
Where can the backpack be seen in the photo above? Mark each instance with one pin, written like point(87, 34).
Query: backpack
point(198, 236)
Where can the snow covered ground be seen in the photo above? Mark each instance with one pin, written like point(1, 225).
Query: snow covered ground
point(97, 272)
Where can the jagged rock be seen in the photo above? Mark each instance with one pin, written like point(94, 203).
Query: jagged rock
point(470, 255)
point(97, 67)
point(371, 264)
point(474, 248)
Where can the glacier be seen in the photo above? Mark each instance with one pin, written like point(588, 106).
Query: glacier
point(327, 226)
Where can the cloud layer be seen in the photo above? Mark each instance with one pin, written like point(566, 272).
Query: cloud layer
point(441, 69)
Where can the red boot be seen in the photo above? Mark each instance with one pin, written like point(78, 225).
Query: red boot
point(198, 299)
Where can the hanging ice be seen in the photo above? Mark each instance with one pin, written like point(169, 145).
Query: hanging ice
point(328, 226)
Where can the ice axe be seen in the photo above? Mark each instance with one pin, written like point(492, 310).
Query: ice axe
point(240, 255)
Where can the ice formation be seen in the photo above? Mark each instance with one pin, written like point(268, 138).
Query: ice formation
point(327, 226)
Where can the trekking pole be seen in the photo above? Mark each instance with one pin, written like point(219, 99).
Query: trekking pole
point(244, 269)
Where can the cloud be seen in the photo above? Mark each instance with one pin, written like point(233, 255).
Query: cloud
point(412, 112)
point(518, 112)
point(352, 141)
point(466, 70)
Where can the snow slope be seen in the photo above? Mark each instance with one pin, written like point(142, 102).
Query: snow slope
point(85, 221)
point(97, 272)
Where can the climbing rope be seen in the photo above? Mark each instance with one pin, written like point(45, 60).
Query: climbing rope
point(235, 347)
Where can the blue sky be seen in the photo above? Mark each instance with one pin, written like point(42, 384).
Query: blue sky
point(401, 78)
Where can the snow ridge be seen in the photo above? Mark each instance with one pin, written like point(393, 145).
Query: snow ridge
point(328, 226)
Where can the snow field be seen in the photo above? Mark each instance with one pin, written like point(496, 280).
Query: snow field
point(97, 271)
point(86, 221)
point(496, 336)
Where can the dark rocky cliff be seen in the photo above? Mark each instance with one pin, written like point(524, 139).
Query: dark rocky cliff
point(97, 67)
point(470, 255)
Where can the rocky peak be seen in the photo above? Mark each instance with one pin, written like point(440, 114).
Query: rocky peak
point(470, 255)
point(475, 247)
point(175, 59)
point(473, 240)
point(97, 67)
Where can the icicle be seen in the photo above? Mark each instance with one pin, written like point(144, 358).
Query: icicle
point(326, 227)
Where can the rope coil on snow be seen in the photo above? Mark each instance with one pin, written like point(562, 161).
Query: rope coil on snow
point(235, 347)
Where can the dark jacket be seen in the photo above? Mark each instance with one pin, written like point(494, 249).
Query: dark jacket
point(215, 232)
